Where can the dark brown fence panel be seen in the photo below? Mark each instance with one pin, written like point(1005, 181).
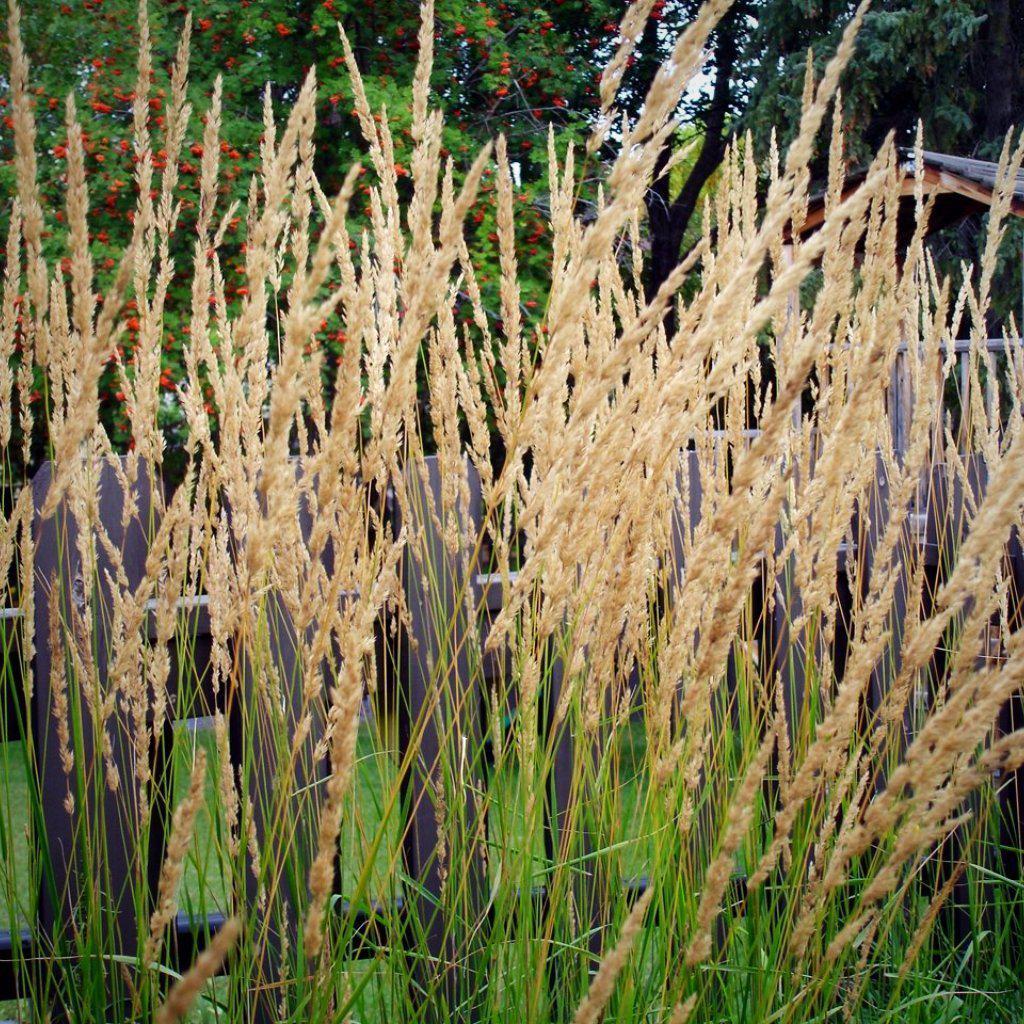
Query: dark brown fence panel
point(59, 577)
point(269, 731)
point(440, 711)
point(951, 504)
point(1010, 785)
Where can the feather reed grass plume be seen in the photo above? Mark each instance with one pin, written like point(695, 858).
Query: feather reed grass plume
point(738, 610)
point(182, 830)
point(592, 1007)
point(186, 990)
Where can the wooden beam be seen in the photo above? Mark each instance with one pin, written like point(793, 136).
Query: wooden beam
point(936, 182)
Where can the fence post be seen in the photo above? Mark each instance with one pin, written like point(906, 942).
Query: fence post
point(267, 724)
point(440, 725)
point(879, 512)
point(787, 659)
point(1011, 784)
point(900, 402)
point(946, 526)
point(58, 577)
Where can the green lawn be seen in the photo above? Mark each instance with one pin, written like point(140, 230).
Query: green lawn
point(203, 882)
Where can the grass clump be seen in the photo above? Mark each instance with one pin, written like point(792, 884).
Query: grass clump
point(696, 704)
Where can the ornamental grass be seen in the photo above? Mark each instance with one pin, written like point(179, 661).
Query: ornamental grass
point(715, 712)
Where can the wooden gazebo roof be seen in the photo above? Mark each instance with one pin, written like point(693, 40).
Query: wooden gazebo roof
point(961, 186)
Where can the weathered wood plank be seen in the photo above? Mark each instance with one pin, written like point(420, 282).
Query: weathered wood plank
point(58, 577)
point(441, 720)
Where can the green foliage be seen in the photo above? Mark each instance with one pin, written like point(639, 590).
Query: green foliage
point(910, 64)
point(515, 68)
point(510, 66)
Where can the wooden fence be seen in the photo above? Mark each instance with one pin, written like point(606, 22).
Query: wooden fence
point(437, 710)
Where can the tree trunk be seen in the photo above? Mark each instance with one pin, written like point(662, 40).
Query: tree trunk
point(668, 218)
point(1002, 66)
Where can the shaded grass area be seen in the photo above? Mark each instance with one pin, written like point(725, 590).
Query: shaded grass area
point(964, 988)
point(371, 832)
point(204, 881)
point(14, 833)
